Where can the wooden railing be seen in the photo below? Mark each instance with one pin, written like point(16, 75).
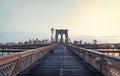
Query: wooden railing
point(107, 65)
point(12, 65)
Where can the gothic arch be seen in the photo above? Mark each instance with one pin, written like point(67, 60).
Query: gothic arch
point(61, 32)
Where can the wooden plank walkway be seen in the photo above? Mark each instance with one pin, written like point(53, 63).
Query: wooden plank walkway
point(60, 62)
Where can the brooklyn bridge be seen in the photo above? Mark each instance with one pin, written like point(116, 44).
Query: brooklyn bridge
point(60, 58)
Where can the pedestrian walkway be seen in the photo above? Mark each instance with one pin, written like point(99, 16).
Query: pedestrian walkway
point(60, 62)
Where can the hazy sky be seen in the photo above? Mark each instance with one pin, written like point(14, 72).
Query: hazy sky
point(24, 19)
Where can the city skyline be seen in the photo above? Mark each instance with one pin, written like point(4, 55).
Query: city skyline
point(85, 19)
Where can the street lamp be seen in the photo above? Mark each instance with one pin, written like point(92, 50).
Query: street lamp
point(52, 32)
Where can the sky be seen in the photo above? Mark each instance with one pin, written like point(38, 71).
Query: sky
point(86, 20)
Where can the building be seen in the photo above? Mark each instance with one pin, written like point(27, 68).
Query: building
point(95, 42)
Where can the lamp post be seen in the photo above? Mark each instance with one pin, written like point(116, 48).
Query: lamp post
point(52, 32)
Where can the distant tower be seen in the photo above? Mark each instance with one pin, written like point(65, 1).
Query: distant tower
point(30, 41)
point(37, 40)
point(95, 42)
point(61, 32)
point(80, 41)
point(52, 32)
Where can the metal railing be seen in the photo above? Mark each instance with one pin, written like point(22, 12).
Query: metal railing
point(12, 65)
point(107, 65)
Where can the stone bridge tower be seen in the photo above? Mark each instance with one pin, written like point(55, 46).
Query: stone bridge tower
point(61, 32)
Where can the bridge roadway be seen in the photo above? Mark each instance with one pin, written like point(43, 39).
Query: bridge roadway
point(60, 62)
